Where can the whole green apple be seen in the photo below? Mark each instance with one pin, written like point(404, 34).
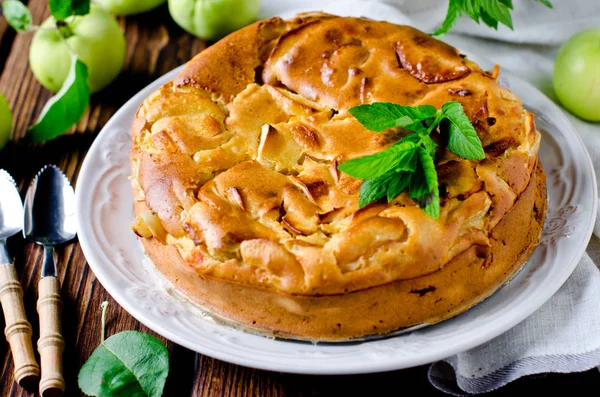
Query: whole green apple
point(213, 19)
point(576, 74)
point(5, 121)
point(95, 38)
point(128, 7)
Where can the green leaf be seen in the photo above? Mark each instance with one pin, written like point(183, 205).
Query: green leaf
point(498, 11)
point(128, 364)
point(452, 16)
point(429, 145)
point(418, 184)
point(491, 12)
point(62, 9)
point(488, 20)
point(409, 163)
point(397, 184)
point(431, 205)
point(380, 116)
point(373, 189)
point(17, 15)
point(398, 156)
point(65, 108)
point(462, 137)
point(545, 2)
point(471, 8)
point(424, 185)
point(428, 169)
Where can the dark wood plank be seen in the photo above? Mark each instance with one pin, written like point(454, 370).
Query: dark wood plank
point(155, 45)
point(148, 57)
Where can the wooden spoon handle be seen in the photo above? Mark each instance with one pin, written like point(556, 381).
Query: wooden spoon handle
point(51, 343)
point(18, 330)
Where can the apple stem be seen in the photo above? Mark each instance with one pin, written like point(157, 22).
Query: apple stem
point(65, 34)
point(64, 29)
point(104, 306)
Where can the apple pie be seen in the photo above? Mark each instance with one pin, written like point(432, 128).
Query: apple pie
point(240, 204)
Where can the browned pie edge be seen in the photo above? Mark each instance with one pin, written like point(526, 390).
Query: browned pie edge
point(465, 281)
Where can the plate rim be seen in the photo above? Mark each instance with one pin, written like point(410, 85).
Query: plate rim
point(518, 315)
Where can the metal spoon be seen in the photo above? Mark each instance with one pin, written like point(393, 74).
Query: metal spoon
point(18, 330)
point(49, 221)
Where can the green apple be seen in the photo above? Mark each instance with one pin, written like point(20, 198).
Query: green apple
point(5, 121)
point(213, 19)
point(576, 76)
point(95, 38)
point(128, 7)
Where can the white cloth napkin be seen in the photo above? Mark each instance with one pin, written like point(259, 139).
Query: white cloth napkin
point(563, 335)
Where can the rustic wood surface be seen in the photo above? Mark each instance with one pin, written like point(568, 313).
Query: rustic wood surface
point(156, 45)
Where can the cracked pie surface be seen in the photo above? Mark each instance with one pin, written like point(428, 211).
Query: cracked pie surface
point(240, 205)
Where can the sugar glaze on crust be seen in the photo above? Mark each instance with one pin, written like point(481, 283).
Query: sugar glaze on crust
point(234, 168)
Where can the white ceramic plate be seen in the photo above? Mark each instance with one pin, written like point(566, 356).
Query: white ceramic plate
point(104, 206)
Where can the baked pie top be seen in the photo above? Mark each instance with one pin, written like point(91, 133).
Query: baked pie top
point(237, 157)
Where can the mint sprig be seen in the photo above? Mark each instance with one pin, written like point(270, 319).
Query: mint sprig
point(409, 163)
point(491, 12)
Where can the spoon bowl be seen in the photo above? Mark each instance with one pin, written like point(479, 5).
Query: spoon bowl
point(50, 208)
point(11, 207)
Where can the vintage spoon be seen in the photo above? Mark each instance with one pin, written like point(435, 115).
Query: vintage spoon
point(49, 221)
point(18, 330)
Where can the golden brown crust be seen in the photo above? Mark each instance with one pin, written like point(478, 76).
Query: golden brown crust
point(465, 281)
point(238, 156)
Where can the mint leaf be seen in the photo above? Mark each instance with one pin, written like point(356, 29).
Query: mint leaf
point(409, 163)
point(65, 108)
point(423, 187)
point(380, 116)
point(397, 184)
point(491, 12)
point(452, 16)
point(471, 8)
point(62, 9)
point(399, 157)
point(429, 145)
point(462, 138)
point(129, 363)
point(17, 15)
point(374, 189)
point(488, 20)
point(431, 204)
point(429, 171)
point(545, 2)
point(498, 11)
point(418, 187)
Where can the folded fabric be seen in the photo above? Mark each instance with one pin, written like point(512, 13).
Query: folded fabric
point(562, 336)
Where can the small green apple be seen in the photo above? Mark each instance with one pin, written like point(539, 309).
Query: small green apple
point(576, 76)
point(5, 121)
point(129, 7)
point(95, 38)
point(213, 19)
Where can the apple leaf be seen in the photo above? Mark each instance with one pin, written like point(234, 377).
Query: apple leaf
point(62, 9)
point(17, 15)
point(128, 364)
point(65, 108)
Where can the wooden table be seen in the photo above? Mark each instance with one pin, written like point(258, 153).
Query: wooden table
point(155, 45)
